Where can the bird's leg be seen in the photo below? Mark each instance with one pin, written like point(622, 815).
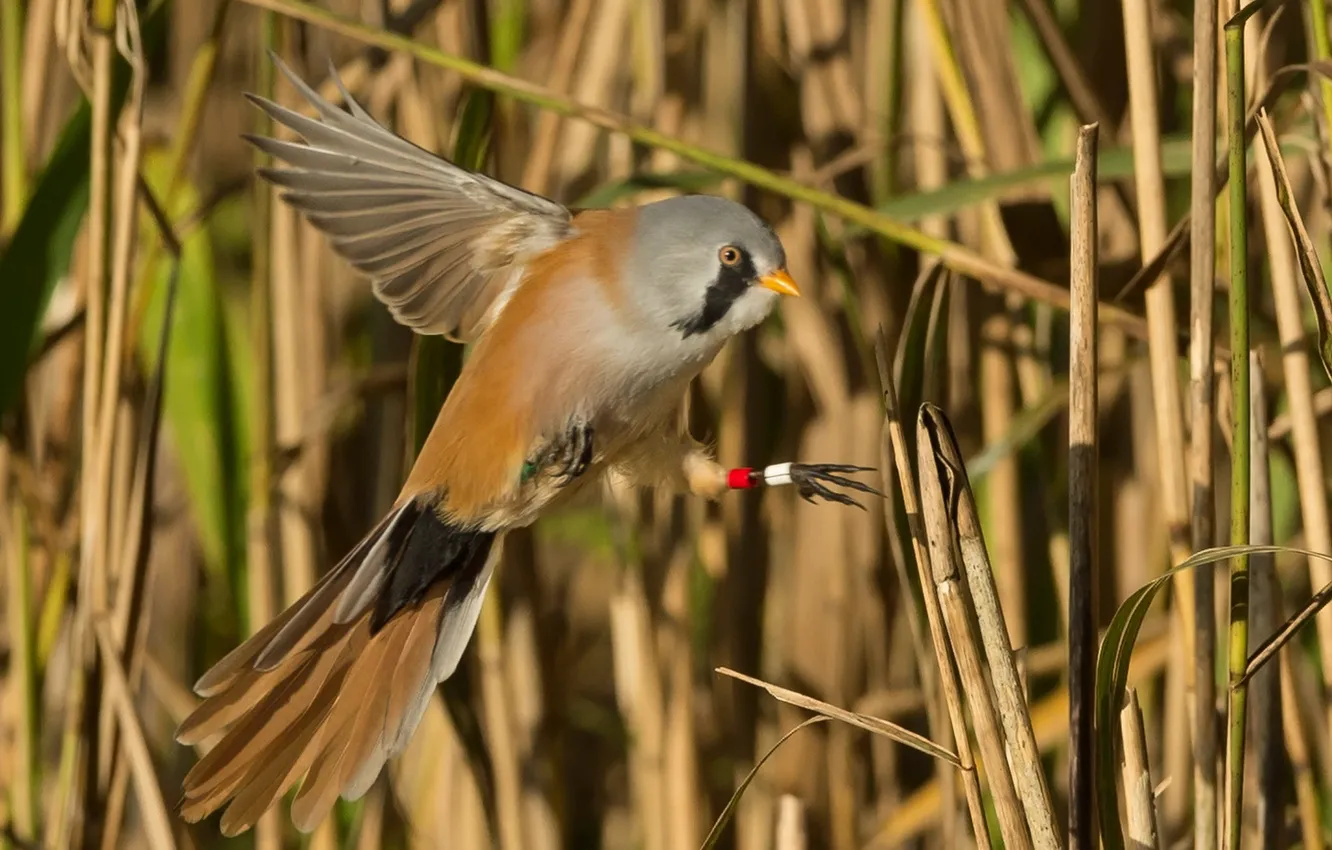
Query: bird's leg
point(710, 479)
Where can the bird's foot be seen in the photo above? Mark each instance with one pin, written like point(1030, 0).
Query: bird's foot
point(812, 480)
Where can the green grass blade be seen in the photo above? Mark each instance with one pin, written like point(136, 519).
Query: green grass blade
point(1112, 665)
point(38, 255)
point(198, 394)
point(715, 834)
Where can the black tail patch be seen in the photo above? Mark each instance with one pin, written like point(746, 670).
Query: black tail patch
point(431, 550)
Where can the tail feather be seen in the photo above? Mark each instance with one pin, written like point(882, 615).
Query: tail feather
point(313, 700)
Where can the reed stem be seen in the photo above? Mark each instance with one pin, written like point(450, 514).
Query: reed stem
point(1239, 467)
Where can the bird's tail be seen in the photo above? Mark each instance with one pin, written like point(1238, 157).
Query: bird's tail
point(334, 686)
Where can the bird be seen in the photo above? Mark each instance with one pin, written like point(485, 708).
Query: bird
point(585, 329)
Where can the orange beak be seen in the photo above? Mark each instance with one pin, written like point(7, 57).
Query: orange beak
point(781, 283)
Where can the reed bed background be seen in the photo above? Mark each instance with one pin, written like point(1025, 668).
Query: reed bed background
point(1063, 277)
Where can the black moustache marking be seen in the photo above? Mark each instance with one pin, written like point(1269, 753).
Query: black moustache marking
point(731, 283)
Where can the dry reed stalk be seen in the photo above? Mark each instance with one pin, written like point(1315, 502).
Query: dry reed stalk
point(1141, 832)
point(536, 170)
point(370, 835)
point(1049, 717)
point(1295, 364)
point(38, 53)
point(595, 78)
point(1263, 780)
point(1166, 402)
point(1003, 488)
point(724, 80)
point(1083, 493)
point(291, 320)
point(499, 724)
point(93, 591)
point(925, 103)
point(940, 485)
point(260, 523)
point(20, 681)
point(966, 126)
point(1301, 761)
point(109, 436)
point(157, 820)
point(829, 102)
point(790, 824)
point(950, 694)
point(1019, 740)
point(638, 693)
point(1202, 391)
point(683, 797)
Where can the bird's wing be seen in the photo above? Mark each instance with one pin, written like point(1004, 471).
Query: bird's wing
point(443, 246)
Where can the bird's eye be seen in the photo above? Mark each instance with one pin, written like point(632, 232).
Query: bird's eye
point(729, 255)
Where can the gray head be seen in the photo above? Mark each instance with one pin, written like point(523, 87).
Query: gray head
point(706, 267)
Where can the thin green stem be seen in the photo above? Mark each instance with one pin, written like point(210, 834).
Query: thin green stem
point(1239, 470)
point(15, 175)
point(1323, 49)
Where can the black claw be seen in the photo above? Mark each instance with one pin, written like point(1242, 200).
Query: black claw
point(812, 480)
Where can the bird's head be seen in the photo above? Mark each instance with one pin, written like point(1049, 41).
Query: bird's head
point(707, 268)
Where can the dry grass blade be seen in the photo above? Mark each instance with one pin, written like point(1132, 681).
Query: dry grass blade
point(1180, 234)
point(1082, 495)
point(157, 820)
point(1282, 636)
point(861, 721)
point(1310, 265)
point(1142, 832)
point(714, 834)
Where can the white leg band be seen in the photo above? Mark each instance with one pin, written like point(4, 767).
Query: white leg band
point(777, 474)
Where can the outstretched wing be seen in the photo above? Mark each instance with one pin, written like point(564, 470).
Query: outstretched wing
point(443, 246)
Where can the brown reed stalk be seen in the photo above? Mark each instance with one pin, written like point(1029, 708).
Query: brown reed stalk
point(1202, 392)
point(1083, 494)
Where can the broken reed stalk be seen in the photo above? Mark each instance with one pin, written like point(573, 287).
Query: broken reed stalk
point(1023, 756)
point(942, 479)
point(1082, 495)
point(1239, 379)
point(1142, 832)
point(1202, 394)
point(951, 688)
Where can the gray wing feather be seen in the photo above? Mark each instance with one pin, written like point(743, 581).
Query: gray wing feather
point(444, 247)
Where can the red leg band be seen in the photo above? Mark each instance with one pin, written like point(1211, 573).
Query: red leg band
point(740, 479)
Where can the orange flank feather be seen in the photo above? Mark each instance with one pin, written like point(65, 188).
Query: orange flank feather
point(502, 403)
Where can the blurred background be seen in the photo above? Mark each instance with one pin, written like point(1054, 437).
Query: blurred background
point(185, 506)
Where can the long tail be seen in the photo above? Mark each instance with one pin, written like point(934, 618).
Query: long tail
point(338, 682)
